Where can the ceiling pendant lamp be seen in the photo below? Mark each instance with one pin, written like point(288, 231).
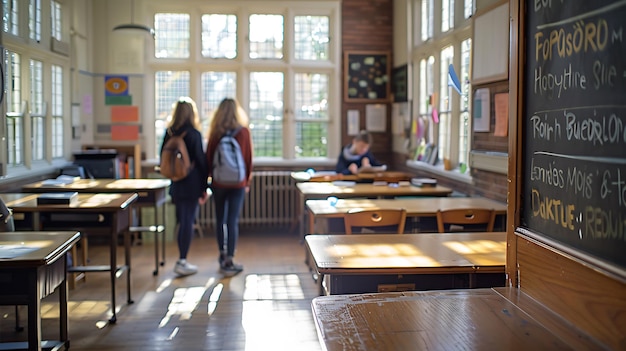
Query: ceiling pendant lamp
point(132, 25)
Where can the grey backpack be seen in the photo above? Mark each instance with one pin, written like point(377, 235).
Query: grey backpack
point(228, 165)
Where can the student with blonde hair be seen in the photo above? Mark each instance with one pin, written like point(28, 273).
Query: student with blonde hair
point(228, 194)
point(188, 192)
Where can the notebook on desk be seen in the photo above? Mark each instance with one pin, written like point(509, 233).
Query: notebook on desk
point(64, 198)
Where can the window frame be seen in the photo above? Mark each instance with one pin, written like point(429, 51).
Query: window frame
point(460, 30)
point(243, 65)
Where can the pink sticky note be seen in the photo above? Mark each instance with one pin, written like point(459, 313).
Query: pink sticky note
point(435, 116)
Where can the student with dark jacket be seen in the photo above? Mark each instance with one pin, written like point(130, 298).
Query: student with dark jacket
point(228, 118)
point(190, 191)
point(356, 155)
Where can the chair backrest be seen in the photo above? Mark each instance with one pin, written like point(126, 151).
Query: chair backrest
point(468, 219)
point(375, 219)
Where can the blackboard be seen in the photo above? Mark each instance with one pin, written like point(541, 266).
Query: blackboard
point(367, 76)
point(574, 122)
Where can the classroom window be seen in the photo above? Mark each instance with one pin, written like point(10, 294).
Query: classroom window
point(57, 20)
point(266, 36)
point(443, 110)
point(37, 112)
point(266, 113)
point(10, 17)
point(427, 14)
point(443, 142)
point(312, 37)
point(216, 86)
point(447, 15)
point(468, 8)
point(57, 111)
point(15, 109)
point(170, 86)
point(219, 36)
point(34, 22)
point(171, 35)
point(311, 115)
point(465, 122)
point(280, 64)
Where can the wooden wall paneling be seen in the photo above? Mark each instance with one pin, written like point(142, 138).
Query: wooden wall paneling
point(588, 299)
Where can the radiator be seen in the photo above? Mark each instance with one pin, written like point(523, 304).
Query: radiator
point(271, 201)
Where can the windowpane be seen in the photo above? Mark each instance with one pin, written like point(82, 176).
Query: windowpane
point(266, 36)
point(215, 87)
point(36, 88)
point(171, 35)
point(464, 126)
point(15, 138)
point(11, 18)
point(447, 54)
point(447, 15)
point(38, 133)
point(57, 111)
point(219, 36)
point(34, 23)
point(14, 85)
point(56, 20)
point(427, 19)
point(38, 137)
point(468, 8)
point(312, 40)
point(266, 113)
point(311, 115)
point(169, 86)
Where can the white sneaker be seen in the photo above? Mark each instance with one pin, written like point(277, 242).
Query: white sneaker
point(183, 267)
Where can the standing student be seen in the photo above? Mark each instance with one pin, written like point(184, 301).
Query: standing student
point(356, 155)
point(190, 191)
point(229, 118)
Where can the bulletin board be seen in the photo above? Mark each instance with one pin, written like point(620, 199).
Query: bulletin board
point(366, 76)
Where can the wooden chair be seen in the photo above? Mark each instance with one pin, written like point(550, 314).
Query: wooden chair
point(470, 217)
point(375, 219)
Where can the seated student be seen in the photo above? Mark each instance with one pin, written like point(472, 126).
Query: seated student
point(356, 155)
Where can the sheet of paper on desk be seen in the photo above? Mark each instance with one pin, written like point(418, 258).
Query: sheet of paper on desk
point(344, 183)
point(8, 252)
point(60, 180)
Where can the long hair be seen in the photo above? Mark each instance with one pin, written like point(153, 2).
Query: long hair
point(228, 116)
point(184, 113)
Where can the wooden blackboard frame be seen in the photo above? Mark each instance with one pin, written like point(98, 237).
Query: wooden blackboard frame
point(552, 108)
point(367, 76)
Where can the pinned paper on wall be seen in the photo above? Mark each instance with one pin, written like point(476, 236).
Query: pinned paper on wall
point(376, 117)
point(353, 122)
point(481, 111)
point(124, 132)
point(124, 114)
point(501, 105)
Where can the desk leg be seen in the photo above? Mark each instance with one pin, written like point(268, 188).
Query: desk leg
point(34, 312)
point(127, 245)
point(164, 221)
point(63, 308)
point(113, 271)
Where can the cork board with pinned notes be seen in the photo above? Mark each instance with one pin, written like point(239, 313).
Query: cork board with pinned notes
point(366, 76)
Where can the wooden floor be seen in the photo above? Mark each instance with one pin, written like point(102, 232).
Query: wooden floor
point(266, 307)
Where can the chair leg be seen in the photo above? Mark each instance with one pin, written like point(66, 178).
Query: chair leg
point(18, 327)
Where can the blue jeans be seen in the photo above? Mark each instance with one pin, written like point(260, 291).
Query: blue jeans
point(185, 217)
point(228, 203)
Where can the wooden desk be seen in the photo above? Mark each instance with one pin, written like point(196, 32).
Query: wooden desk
point(322, 190)
point(106, 214)
point(152, 193)
point(361, 263)
point(422, 207)
point(479, 319)
point(32, 266)
point(388, 176)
